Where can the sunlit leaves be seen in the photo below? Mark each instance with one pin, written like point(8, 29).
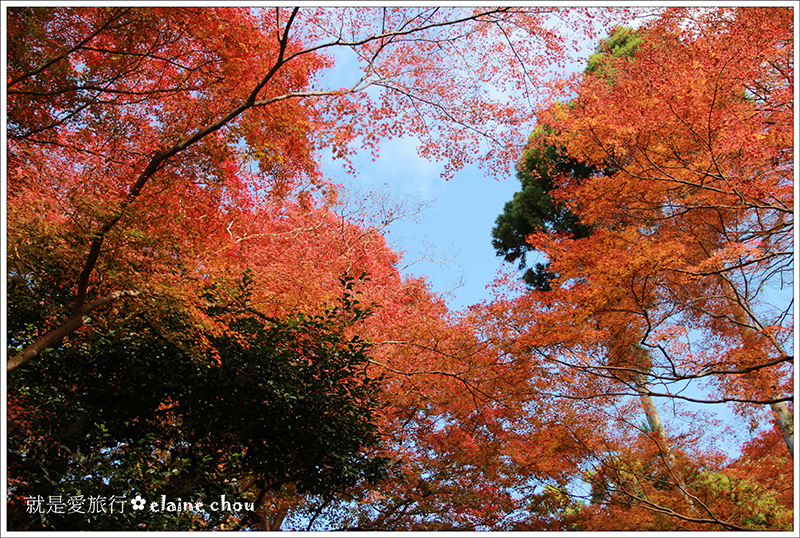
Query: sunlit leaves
point(690, 253)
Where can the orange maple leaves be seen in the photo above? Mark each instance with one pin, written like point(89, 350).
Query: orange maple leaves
point(692, 223)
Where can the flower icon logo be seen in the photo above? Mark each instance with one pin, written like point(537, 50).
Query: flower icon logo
point(137, 503)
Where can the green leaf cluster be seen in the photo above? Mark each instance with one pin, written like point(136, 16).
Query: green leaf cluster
point(134, 413)
point(533, 209)
point(621, 44)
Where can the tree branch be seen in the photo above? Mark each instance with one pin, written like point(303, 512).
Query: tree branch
point(67, 327)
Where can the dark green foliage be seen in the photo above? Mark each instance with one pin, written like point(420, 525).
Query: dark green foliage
point(532, 209)
point(131, 412)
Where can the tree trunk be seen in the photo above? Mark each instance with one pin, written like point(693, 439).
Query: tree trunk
point(660, 436)
point(785, 420)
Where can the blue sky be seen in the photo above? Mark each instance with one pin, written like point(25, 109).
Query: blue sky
point(449, 242)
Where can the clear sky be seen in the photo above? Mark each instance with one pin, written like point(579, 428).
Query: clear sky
point(450, 242)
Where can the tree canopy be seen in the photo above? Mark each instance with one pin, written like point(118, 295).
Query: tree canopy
point(679, 293)
point(205, 332)
point(131, 412)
